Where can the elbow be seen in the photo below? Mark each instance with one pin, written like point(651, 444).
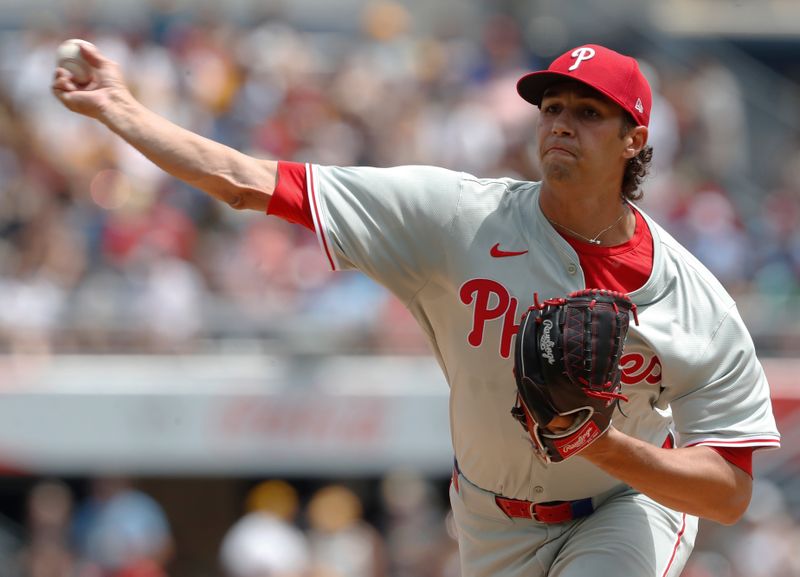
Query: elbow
point(734, 507)
point(240, 198)
point(732, 494)
point(731, 514)
point(236, 201)
point(729, 517)
point(251, 200)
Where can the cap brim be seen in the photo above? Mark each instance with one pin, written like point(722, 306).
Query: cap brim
point(532, 86)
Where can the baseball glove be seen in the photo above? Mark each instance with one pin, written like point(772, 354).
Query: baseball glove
point(566, 363)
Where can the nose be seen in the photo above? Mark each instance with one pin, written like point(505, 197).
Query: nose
point(562, 124)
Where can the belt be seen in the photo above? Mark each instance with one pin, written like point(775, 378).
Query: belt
point(549, 512)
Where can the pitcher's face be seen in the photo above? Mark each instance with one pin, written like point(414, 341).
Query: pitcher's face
point(580, 135)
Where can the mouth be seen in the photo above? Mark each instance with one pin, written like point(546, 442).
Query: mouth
point(559, 150)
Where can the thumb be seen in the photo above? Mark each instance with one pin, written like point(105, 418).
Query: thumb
point(92, 54)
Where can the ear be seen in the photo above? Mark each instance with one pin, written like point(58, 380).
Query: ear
point(635, 140)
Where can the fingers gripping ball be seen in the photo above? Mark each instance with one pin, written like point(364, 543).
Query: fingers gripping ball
point(68, 56)
point(566, 363)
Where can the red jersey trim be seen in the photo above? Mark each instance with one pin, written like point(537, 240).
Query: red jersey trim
point(316, 213)
point(738, 453)
point(766, 443)
point(295, 200)
point(742, 457)
point(677, 544)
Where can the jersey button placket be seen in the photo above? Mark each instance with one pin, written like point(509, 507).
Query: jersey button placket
point(572, 268)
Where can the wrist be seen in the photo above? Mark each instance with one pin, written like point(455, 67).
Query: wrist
point(118, 107)
point(602, 446)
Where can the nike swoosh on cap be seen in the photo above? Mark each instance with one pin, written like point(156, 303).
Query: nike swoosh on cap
point(496, 252)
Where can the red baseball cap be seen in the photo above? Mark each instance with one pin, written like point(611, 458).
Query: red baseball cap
point(613, 74)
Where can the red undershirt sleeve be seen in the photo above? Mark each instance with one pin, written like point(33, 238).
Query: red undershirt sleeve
point(742, 457)
point(290, 199)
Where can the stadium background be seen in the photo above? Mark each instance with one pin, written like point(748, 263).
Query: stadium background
point(155, 340)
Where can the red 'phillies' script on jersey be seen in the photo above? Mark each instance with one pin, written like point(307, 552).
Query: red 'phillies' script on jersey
point(426, 234)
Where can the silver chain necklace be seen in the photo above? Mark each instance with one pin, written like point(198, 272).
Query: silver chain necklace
point(596, 239)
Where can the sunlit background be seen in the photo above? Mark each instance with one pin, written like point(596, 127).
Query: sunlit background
point(171, 369)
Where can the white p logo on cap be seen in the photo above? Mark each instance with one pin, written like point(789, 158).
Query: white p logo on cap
point(581, 54)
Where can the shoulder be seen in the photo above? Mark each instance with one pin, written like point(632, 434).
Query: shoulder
point(492, 194)
point(682, 271)
point(498, 187)
point(426, 177)
point(413, 177)
point(426, 190)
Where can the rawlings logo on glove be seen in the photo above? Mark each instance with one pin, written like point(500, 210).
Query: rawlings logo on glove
point(546, 344)
point(566, 363)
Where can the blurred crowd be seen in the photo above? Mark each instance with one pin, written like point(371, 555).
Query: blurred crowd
point(101, 252)
point(119, 530)
point(764, 543)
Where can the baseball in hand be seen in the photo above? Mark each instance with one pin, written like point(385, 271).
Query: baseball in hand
point(68, 56)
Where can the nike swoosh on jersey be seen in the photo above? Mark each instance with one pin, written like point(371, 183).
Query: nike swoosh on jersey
point(496, 252)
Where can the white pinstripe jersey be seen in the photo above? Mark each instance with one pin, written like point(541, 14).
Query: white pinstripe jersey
point(465, 255)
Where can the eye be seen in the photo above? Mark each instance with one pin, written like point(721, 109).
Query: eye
point(550, 108)
point(590, 112)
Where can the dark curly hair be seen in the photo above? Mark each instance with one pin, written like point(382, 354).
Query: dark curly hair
point(637, 167)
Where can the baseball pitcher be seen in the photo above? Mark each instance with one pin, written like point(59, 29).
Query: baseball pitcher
point(605, 393)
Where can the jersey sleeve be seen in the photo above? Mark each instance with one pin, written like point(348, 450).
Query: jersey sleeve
point(389, 223)
point(290, 199)
point(730, 405)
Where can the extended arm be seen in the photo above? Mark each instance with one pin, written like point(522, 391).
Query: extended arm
point(695, 480)
point(235, 178)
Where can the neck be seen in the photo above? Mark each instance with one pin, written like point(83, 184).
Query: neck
point(602, 217)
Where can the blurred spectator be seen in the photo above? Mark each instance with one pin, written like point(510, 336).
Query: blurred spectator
point(769, 537)
point(11, 541)
point(342, 543)
point(715, 235)
point(47, 551)
point(419, 544)
point(719, 130)
point(122, 532)
point(764, 543)
point(264, 542)
point(778, 249)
